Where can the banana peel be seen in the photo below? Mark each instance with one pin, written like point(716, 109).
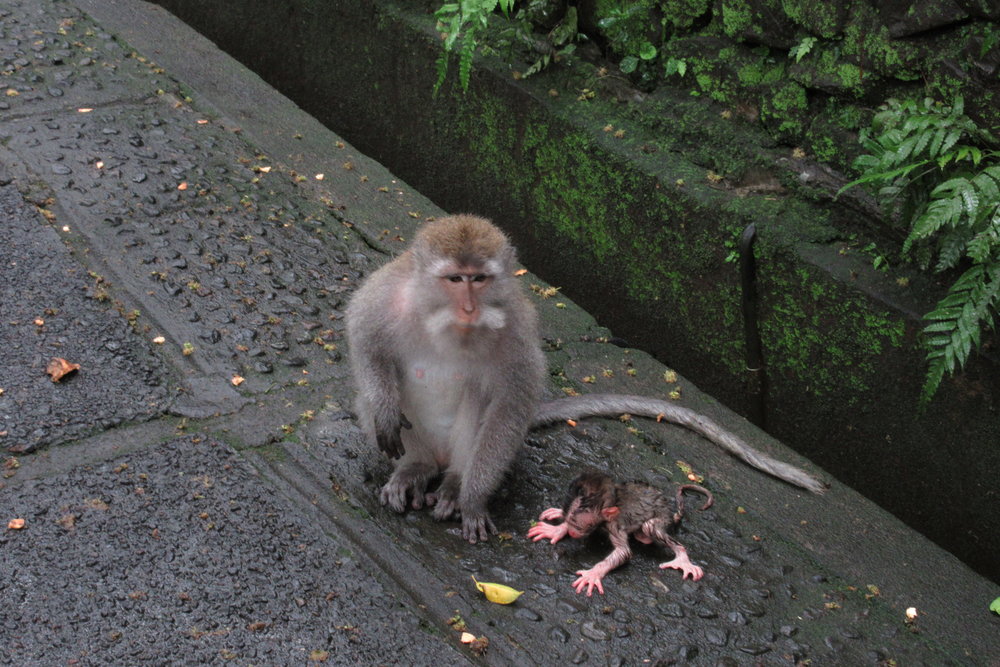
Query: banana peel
point(497, 593)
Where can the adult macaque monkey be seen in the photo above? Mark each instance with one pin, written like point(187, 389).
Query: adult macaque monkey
point(445, 352)
point(444, 335)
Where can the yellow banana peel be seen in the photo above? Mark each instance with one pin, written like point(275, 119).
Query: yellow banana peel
point(497, 593)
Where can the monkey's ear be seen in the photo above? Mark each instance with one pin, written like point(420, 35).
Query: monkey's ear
point(610, 513)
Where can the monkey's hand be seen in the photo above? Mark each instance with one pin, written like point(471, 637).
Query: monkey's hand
point(389, 440)
point(551, 514)
point(546, 531)
point(590, 579)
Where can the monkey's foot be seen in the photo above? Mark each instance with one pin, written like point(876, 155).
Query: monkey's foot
point(407, 482)
point(394, 494)
point(445, 498)
point(683, 563)
point(477, 526)
point(589, 579)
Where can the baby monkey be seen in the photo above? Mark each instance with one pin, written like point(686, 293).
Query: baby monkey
point(632, 508)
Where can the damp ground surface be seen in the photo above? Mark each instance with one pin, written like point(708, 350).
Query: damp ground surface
point(198, 490)
point(51, 308)
point(179, 554)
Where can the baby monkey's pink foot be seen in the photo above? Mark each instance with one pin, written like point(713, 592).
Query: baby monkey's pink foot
point(683, 563)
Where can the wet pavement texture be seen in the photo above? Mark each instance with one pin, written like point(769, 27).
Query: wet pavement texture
point(180, 555)
point(188, 217)
point(50, 307)
point(190, 238)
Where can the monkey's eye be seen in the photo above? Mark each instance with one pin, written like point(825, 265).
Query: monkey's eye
point(479, 278)
point(454, 278)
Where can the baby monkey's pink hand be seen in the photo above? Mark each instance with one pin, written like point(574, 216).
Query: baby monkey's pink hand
point(551, 514)
point(546, 531)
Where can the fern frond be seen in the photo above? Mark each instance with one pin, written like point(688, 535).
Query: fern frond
point(987, 182)
point(958, 106)
point(920, 143)
point(935, 373)
point(954, 203)
point(463, 20)
point(920, 122)
point(916, 161)
point(937, 141)
point(951, 248)
point(465, 58)
point(950, 139)
point(908, 146)
point(888, 175)
point(956, 325)
point(890, 140)
point(945, 338)
point(970, 198)
point(451, 20)
point(442, 71)
point(982, 246)
point(938, 213)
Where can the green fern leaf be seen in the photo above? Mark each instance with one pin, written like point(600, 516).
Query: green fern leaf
point(907, 147)
point(935, 373)
point(452, 28)
point(881, 176)
point(943, 160)
point(951, 248)
point(950, 139)
point(890, 140)
point(920, 145)
point(465, 58)
point(918, 123)
point(937, 141)
point(970, 199)
point(916, 162)
point(982, 246)
point(956, 324)
point(937, 214)
point(986, 182)
point(442, 71)
point(958, 106)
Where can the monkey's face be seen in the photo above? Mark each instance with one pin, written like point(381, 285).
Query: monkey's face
point(465, 288)
point(587, 500)
point(466, 292)
point(581, 520)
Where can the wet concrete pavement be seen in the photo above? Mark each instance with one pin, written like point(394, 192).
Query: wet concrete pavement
point(198, 492)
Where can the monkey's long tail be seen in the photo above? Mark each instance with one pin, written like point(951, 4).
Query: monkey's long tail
point(612, 405)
